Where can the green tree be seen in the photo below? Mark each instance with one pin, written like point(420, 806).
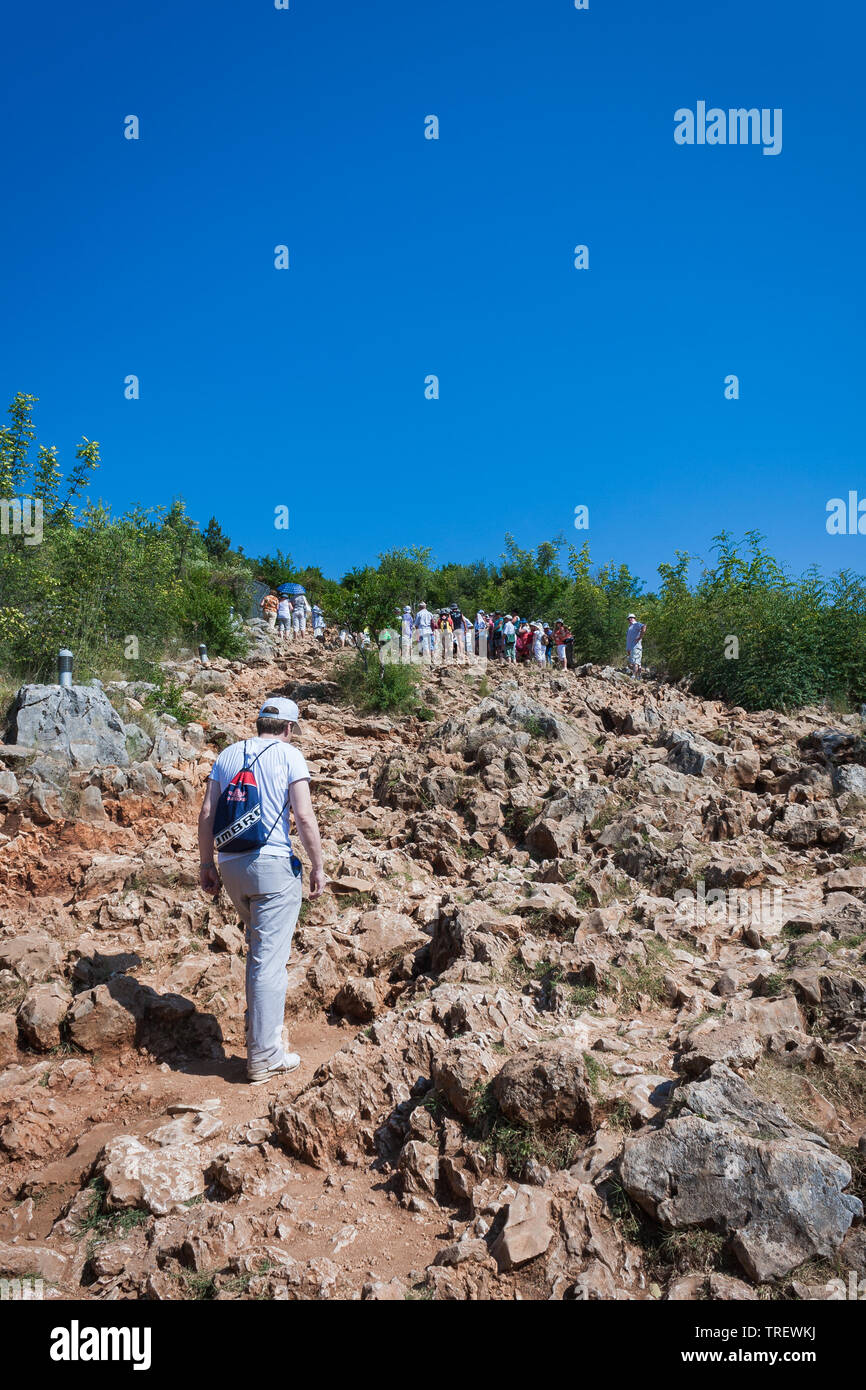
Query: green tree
point(216, 542)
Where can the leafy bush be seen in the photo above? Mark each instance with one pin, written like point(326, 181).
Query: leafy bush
point(388, 689)
point(798, 640)
point(113, 590)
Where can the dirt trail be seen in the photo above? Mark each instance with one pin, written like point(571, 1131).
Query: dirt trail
point(351, 1216)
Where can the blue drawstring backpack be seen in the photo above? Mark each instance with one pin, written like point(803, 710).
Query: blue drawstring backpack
point(238, 826)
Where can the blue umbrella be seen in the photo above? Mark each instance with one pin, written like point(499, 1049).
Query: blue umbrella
point(292, 589)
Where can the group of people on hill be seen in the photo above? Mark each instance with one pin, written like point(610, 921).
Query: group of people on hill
point(449, 634)
point(497, 636)
point(287, 617)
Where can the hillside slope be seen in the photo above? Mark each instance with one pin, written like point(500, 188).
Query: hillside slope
point(528, 1067)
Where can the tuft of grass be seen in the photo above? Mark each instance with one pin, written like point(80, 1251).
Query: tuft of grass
point(470, 851)
point(101, 1224)
point(581, 894)
point(605, 816)
point(631, 981)
point(517, 820)
point(596, 1072)
point(518, 1144)
point(857, 1163)
point(549, 972)
point(346, 900)
point(199, 1285)
point(843, 1085)
point(533, 726)
point(619, 1116)
point(847, 943)
point(624, 1212)
point(792, 930)
point(695, 1249)
point(11, 996)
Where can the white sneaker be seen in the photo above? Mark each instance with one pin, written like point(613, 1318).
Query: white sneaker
point(291, 1061)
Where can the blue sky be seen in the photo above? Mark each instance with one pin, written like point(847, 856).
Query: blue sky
point(558, 387)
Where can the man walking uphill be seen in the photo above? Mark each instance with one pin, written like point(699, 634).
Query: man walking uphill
point(245, 815)
point(634, 644)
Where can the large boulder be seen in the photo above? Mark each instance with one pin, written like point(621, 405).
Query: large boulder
point(469, 931)
point(418, 1166)
point(546, 1086)
point(732, 1163)
point(33, 957)
point(210, 682)
point(850, 780)
point(690, 753)
point(356, 999)
point(511, 718)
point(41, 1014)
point(158, 1180)
point(8, 787)
point(109, 1017)
point(79, 725)
point(460, 1071)
point(383, 935)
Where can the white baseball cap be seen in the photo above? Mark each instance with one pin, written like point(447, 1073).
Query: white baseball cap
point(277, 707)
point(632, 618)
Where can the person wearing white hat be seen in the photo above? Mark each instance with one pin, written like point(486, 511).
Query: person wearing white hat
point(406, 626)
point(424, 631)
point(253, 786)
point(634, 645)
point(509, 633)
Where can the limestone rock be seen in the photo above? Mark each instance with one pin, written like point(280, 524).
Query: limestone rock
point(527, 1231)
point(690, 753)
point(460, 1070)
point(735, 1164)
point(357, 999)
point(79, 725)
point(160, 1181)
point(108, 1017)
point(33, 957)
point(546, 1085)
point(41, 1014)
point(418, 1166)
point(8, 1039)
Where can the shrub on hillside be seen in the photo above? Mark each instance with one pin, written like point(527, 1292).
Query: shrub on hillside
point(389, 689)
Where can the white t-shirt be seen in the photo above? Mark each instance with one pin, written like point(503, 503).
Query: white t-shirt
point(284, 608)
point(424, 621)
point(279, 766)
point(633, 636)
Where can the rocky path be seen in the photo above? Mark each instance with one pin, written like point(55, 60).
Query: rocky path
point(584, 941)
